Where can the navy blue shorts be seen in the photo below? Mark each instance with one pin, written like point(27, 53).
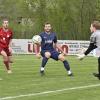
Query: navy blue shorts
point(54, 54)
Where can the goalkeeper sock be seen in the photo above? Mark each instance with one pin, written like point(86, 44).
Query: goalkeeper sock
point(99, 65)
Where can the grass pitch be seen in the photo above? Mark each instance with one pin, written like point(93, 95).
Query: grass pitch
point(26, 83)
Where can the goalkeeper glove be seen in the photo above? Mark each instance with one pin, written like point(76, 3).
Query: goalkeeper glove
point(81, 56)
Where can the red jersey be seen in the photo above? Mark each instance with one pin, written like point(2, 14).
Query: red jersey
point(5, 37)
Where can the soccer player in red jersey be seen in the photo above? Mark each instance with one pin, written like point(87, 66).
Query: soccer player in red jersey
point(5, 42)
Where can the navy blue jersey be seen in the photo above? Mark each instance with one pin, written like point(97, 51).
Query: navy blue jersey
point(48, 40)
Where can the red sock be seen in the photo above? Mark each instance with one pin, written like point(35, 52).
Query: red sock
point(7, 65)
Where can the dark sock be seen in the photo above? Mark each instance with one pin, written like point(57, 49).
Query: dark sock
point(66, 65)
point(7, 65)
point(44, 61)
point(99, 65)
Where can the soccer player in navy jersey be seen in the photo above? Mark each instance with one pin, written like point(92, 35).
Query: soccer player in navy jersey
point(48, 49)
point(5, 42)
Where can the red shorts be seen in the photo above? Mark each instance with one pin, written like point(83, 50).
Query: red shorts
point(6, 50)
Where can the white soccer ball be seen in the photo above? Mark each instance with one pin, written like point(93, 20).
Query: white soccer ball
point(36, 39)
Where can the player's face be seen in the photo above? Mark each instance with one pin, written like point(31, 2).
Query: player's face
point(47, 28)
point(92, 29)
point(5, 24)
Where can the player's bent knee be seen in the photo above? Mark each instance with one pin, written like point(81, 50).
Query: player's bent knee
point(47, 54)
point(5, 57)
point(61, 57)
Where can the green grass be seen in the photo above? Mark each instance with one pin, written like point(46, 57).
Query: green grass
point(26, 79)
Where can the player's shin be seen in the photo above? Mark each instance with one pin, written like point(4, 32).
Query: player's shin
point(99, 65)
point(98, 74)
point(7, 65)
point(44, 61)
point(67, 67)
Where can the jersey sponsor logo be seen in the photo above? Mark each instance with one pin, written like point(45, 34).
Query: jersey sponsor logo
point(44, 37)
point(48, 41)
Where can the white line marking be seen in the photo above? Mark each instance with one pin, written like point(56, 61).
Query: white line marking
point(0, 79)
point(48, 92)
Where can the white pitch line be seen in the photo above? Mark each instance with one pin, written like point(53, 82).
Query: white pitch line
point(0, 79)
point(49, 92)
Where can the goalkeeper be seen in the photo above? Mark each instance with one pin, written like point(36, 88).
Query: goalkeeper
point(94, 43)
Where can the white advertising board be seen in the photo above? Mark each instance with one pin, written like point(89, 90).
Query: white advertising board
point(25, 46)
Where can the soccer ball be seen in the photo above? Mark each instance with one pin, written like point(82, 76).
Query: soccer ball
point(36, 39)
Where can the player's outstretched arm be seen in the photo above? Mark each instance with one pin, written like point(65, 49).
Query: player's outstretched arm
point(81, 56)
point(90, 48)
point(36, 50)
point(58, 46)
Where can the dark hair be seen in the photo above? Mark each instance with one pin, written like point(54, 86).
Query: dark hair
point(96, 24)
point(46, 23)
